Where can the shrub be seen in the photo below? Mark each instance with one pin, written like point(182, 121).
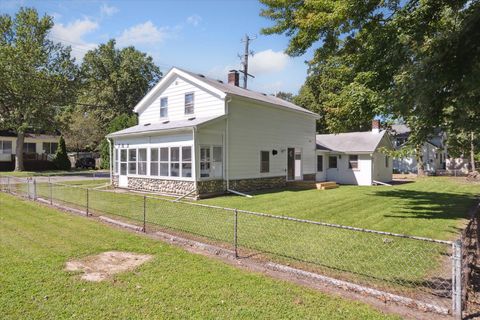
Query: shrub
point(61, 160)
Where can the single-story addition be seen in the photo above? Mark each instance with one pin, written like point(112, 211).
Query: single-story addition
point(355, 157)
point(199, 136)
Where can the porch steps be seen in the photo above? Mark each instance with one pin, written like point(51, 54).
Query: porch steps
point(326, 185)
point(304, 185)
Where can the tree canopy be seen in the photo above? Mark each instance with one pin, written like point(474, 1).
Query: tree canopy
point(37, 76)
point(414, 60)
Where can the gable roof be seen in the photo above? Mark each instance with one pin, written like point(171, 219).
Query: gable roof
point(348, 142)
point(220, 89)
point(162, 126)
point(403, 130)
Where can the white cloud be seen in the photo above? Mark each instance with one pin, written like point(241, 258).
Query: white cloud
point(107, 10)
point(267, 61)
point(144, 33)
point(194, 20)
point(72, 34)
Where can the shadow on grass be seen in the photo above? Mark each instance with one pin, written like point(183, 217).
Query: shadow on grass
point(429, 205)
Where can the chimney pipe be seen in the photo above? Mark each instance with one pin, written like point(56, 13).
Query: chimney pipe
point(233, 77)
point(375, 126)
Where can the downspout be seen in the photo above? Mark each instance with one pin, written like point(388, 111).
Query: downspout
point(194, 135)
point(110, 160)
point(227, 175)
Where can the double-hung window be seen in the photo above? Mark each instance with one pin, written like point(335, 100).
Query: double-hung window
point(164, 107)
point(189, 103)
point(29, 147)
point(186, 162)
point(142, 162)
point(353, 161)
point(332, 162)
point(164, 162)
point(175, 161)
point(132, 161)
point(264, 161)
point(154, 162)
point(50, 147)
point(319, 163)
point(5, 147)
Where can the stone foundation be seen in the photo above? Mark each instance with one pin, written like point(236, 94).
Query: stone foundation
point(175, 187)
point(115, 181)
point(211, 187)
point(245, 185)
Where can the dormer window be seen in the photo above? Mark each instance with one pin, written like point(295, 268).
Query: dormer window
point(189, 108)
point(164, 107)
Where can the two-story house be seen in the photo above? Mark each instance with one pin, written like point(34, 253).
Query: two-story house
point(200, 136)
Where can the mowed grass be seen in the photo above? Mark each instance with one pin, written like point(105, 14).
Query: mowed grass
point(432, 207)
point(36, 242)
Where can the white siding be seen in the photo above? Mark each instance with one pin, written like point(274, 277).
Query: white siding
point(344, 175)
point(205, 103)
point(322, 175)
point(255, 127)
point(38, 144)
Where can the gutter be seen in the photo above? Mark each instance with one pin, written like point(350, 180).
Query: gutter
point(227, 176)
point(110, 160)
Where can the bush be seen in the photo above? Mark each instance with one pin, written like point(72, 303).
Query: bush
point(61, 160)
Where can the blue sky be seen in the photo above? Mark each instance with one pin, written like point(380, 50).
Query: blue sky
point(201, 36)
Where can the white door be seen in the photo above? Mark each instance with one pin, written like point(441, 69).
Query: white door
point(123, 179)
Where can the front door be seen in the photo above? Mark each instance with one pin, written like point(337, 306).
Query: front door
point(123, 179)
point(298, 164)
point(291, 164)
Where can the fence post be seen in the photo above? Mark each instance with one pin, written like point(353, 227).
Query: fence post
point(235, 233)
point(457, 280)
point(34, 189)
point(144, 214)
point(87, 202)
point(8, 185)
point(51, 192)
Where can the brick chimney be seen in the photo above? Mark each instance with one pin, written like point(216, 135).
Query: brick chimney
point(233, 77)
point(375, 126)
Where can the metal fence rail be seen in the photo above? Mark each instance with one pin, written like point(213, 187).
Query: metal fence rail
point(424, 269)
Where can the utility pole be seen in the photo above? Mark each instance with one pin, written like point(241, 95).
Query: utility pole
point(246, 53)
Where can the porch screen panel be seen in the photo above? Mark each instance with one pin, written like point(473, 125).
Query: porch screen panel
point(186, 161)
point(205, 162)
point(132, 161)
point(217, 165)
point(154, 162)
point(142, 161)
point(123, 162)
point(164, 162)
point(174, 161)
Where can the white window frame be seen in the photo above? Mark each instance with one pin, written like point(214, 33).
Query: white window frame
point(152, 163)
point(190, 105)
point(132, 161)
point(125, 162)
point(350, 162)
point(143, 163)
point(321, 162)
point(2, 144)
point(164, 108)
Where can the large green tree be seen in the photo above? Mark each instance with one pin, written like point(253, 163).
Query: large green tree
point(37, 76)
point(114, 80)
point(415, 60)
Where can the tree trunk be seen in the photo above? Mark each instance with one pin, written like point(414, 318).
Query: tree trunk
point(420, 164)
point(472, 151)
point(19, 152)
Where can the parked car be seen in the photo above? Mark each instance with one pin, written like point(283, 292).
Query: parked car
point(85, 163)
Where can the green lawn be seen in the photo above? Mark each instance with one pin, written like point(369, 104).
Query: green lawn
point(430, 207)
point(35, 243)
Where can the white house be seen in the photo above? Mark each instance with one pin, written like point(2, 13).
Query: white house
point(433, 151)
point(37, 146)
point(354, 157)
point(202, 137)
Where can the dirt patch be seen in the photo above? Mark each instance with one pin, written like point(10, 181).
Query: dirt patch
point(102, 266)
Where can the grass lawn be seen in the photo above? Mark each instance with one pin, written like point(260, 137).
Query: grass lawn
point(48, 173)
point(35, 243)
point(432, 207)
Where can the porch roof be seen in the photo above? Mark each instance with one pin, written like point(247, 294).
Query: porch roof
point(146, 128)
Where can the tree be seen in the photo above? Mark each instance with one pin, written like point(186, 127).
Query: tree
point(416, 60)
point(82, 130)
point(37, 76)
point(287, 96)
point(122, 121)
point(61, 160)
point(114, 81)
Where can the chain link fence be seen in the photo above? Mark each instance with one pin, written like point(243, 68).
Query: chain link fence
point(426, 270)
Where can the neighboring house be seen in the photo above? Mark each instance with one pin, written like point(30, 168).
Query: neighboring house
point(37, 147)
point(200, 136)
point(433, 154)
point(355, 157)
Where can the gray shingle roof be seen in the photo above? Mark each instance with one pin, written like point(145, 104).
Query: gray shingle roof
point(350, 141)
point(241, 92)
point(400, 129)
point(161, 126)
